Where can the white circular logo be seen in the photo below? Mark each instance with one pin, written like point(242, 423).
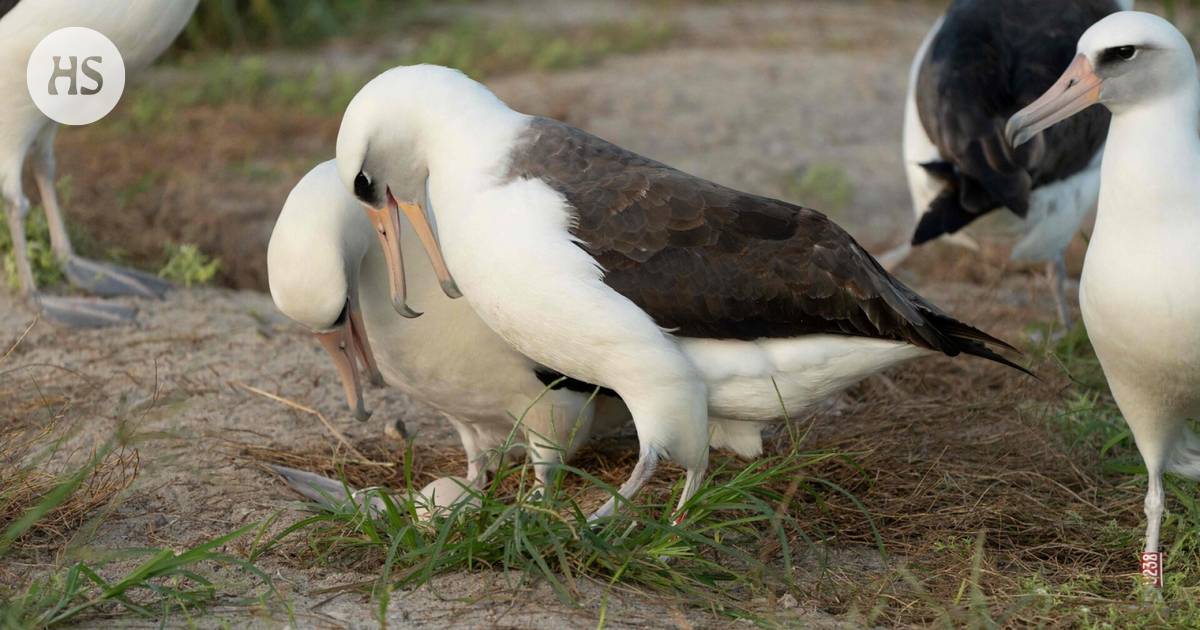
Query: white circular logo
point(75, 76)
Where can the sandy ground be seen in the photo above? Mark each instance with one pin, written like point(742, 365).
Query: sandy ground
point(748, 96)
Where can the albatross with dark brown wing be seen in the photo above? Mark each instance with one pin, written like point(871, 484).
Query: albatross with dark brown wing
point(707, 261)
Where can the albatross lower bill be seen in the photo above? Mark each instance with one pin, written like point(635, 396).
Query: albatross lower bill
point(981, 62)
point(684, 297)
point(1140, 292)
point(327, 271)
point(141, 30)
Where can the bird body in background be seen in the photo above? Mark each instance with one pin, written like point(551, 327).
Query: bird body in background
point(324, 263)
point(141, 30)
point(1140, 291)
point(682, 296)
point(981, 62)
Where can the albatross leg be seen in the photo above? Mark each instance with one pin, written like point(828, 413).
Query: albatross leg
point(690, 485)
point(647, 463)
point(97, 278)
point(18, 208)
point(70, 312)
point(1155, 501)
point(1057, 272)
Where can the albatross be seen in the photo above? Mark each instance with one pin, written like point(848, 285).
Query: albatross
point(141, 30)
point(327, 271)
point(981, 62)
point(684, 297)
point(1140, 291)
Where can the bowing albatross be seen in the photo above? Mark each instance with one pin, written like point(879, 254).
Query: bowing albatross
point(141, 30)
point(685, 297)
point(326, 271)
point(1140, 291)
point(981, 62)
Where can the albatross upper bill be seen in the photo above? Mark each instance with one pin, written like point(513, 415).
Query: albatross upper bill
point(327, 271)
point(1140, 292)
point(141, 30)
point(981, 62)
point(614, 269)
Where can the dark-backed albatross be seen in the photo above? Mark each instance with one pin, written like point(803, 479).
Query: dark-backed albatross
point(1140, 291)
point(141, 30)
point(614, 269)
point(981, 62)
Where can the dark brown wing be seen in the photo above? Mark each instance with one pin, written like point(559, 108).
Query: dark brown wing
point(6, 6)
point(990, 59)
point(709, 261)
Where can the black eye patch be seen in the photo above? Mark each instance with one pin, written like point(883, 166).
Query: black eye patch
point(363, 188)
point(1118, 54)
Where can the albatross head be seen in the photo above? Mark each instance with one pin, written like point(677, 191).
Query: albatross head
point(382, 160)
point(313, 261)
point(1125, 60)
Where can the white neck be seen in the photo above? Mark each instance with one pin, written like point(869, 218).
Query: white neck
point(1153, 152)
point(468, 143)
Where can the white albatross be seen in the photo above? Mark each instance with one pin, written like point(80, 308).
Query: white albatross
point(1140, 291)
point(323, 262)
point(981, 62)
point(684, 297)
point(141, 30)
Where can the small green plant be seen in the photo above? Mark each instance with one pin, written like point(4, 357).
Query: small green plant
point(189, 266)
point(46, 270)
point(824, 187)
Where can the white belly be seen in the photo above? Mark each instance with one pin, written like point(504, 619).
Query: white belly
point(759, 380)
point(1140, 301)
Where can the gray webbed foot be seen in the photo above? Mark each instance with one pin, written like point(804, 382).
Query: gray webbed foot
point(329, 493)
point(108, 280)
point(83, 313)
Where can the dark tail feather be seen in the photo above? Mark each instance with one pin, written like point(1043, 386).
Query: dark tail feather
point(976, 349)
point(945, 215)
point(970, 340)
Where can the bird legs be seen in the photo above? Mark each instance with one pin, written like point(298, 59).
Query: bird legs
point(1056, 271)
point(643, 470)
point(97, 278)
point(1152, 560)
point(72, 312)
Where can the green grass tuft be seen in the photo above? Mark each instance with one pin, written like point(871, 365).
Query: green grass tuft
point(46, 270)
point(189, 266)
point(737, 542)
point(36, 503)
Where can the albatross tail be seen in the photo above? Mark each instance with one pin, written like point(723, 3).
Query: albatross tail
point(966, 339)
